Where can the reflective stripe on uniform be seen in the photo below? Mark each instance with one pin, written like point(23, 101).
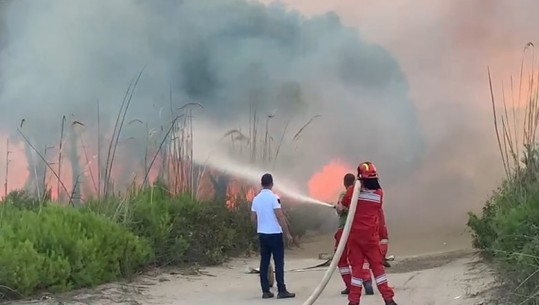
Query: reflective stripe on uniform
point(384, 242)
point(345, 270)
point(370, 197)
point(381, 279)
point(356, 282)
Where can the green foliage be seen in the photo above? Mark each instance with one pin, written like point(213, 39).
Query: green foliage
point(60, 248)
point(57, 248)
point(23, 200)
point(508, 232)
point(182, 230)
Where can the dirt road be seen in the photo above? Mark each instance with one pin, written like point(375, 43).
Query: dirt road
point(453, 278)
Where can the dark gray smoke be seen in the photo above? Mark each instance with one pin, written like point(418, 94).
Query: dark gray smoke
point(60, 56)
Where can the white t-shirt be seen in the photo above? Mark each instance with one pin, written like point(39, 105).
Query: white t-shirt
point(264, 205)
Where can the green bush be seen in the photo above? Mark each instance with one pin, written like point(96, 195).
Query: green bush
point(507, 231)
point(23, 200)
point(59, 248)
point(182, 230)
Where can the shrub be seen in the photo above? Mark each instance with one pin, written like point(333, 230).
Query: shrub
point(60, 248)
point(23, 200)
point(50, 247)
point(180, 229)
point(507, 231)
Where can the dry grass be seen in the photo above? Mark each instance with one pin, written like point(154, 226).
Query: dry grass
point(49, 166)
point(508, 217)
point(168, 151)
point(510, 140)
point(118, 125)
point(7, 168)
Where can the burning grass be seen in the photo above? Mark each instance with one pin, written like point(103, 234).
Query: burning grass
point(508, 228)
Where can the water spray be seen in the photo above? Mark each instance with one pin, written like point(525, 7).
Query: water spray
point(253, 174)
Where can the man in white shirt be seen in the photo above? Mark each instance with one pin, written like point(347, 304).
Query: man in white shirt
point(267, 215)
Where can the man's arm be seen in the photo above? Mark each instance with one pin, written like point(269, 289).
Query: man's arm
point(281, 218)
point(253, 218)
point(382, 229)
point(341, 210)
point(347, 198)
point(282, 221)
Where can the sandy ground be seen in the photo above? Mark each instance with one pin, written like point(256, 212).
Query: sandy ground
point(451, 278)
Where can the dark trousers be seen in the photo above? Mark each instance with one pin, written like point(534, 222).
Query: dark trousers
point(271, 244)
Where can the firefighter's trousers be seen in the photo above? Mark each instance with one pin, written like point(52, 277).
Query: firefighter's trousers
point(343, 265)
point(359, 250)
point(366, 276)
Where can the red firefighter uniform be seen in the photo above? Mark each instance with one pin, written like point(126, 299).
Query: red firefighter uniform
point(384, 243)
point(364, 240)
point(343, 265)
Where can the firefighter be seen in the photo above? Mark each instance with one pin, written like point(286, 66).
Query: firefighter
point(384, 244)
point(364, 240)
point(343, 265)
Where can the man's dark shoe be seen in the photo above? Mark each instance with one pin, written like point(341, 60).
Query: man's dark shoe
point(387, 264)
point(267, 295)
point(345, 291)
point(368, 287)
point(286, 295)
point(350, 303)
point(391, 302)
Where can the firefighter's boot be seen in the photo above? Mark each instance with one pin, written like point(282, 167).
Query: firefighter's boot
point(346, 291)
point(391, 302)
point(368, 288)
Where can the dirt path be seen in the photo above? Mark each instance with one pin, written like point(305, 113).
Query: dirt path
point(456, 278)
point(453, 278)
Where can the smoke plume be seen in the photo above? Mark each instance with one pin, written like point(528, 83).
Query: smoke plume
point(444, 48)
point(61, 56)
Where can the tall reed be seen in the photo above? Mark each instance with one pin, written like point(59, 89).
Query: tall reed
point(524, 112)
point(7, 169)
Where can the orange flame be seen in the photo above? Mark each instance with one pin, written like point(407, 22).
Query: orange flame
point(328, 182)
point(324, 185)
point(17, 166)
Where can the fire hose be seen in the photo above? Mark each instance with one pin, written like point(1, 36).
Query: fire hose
point(340, 248)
